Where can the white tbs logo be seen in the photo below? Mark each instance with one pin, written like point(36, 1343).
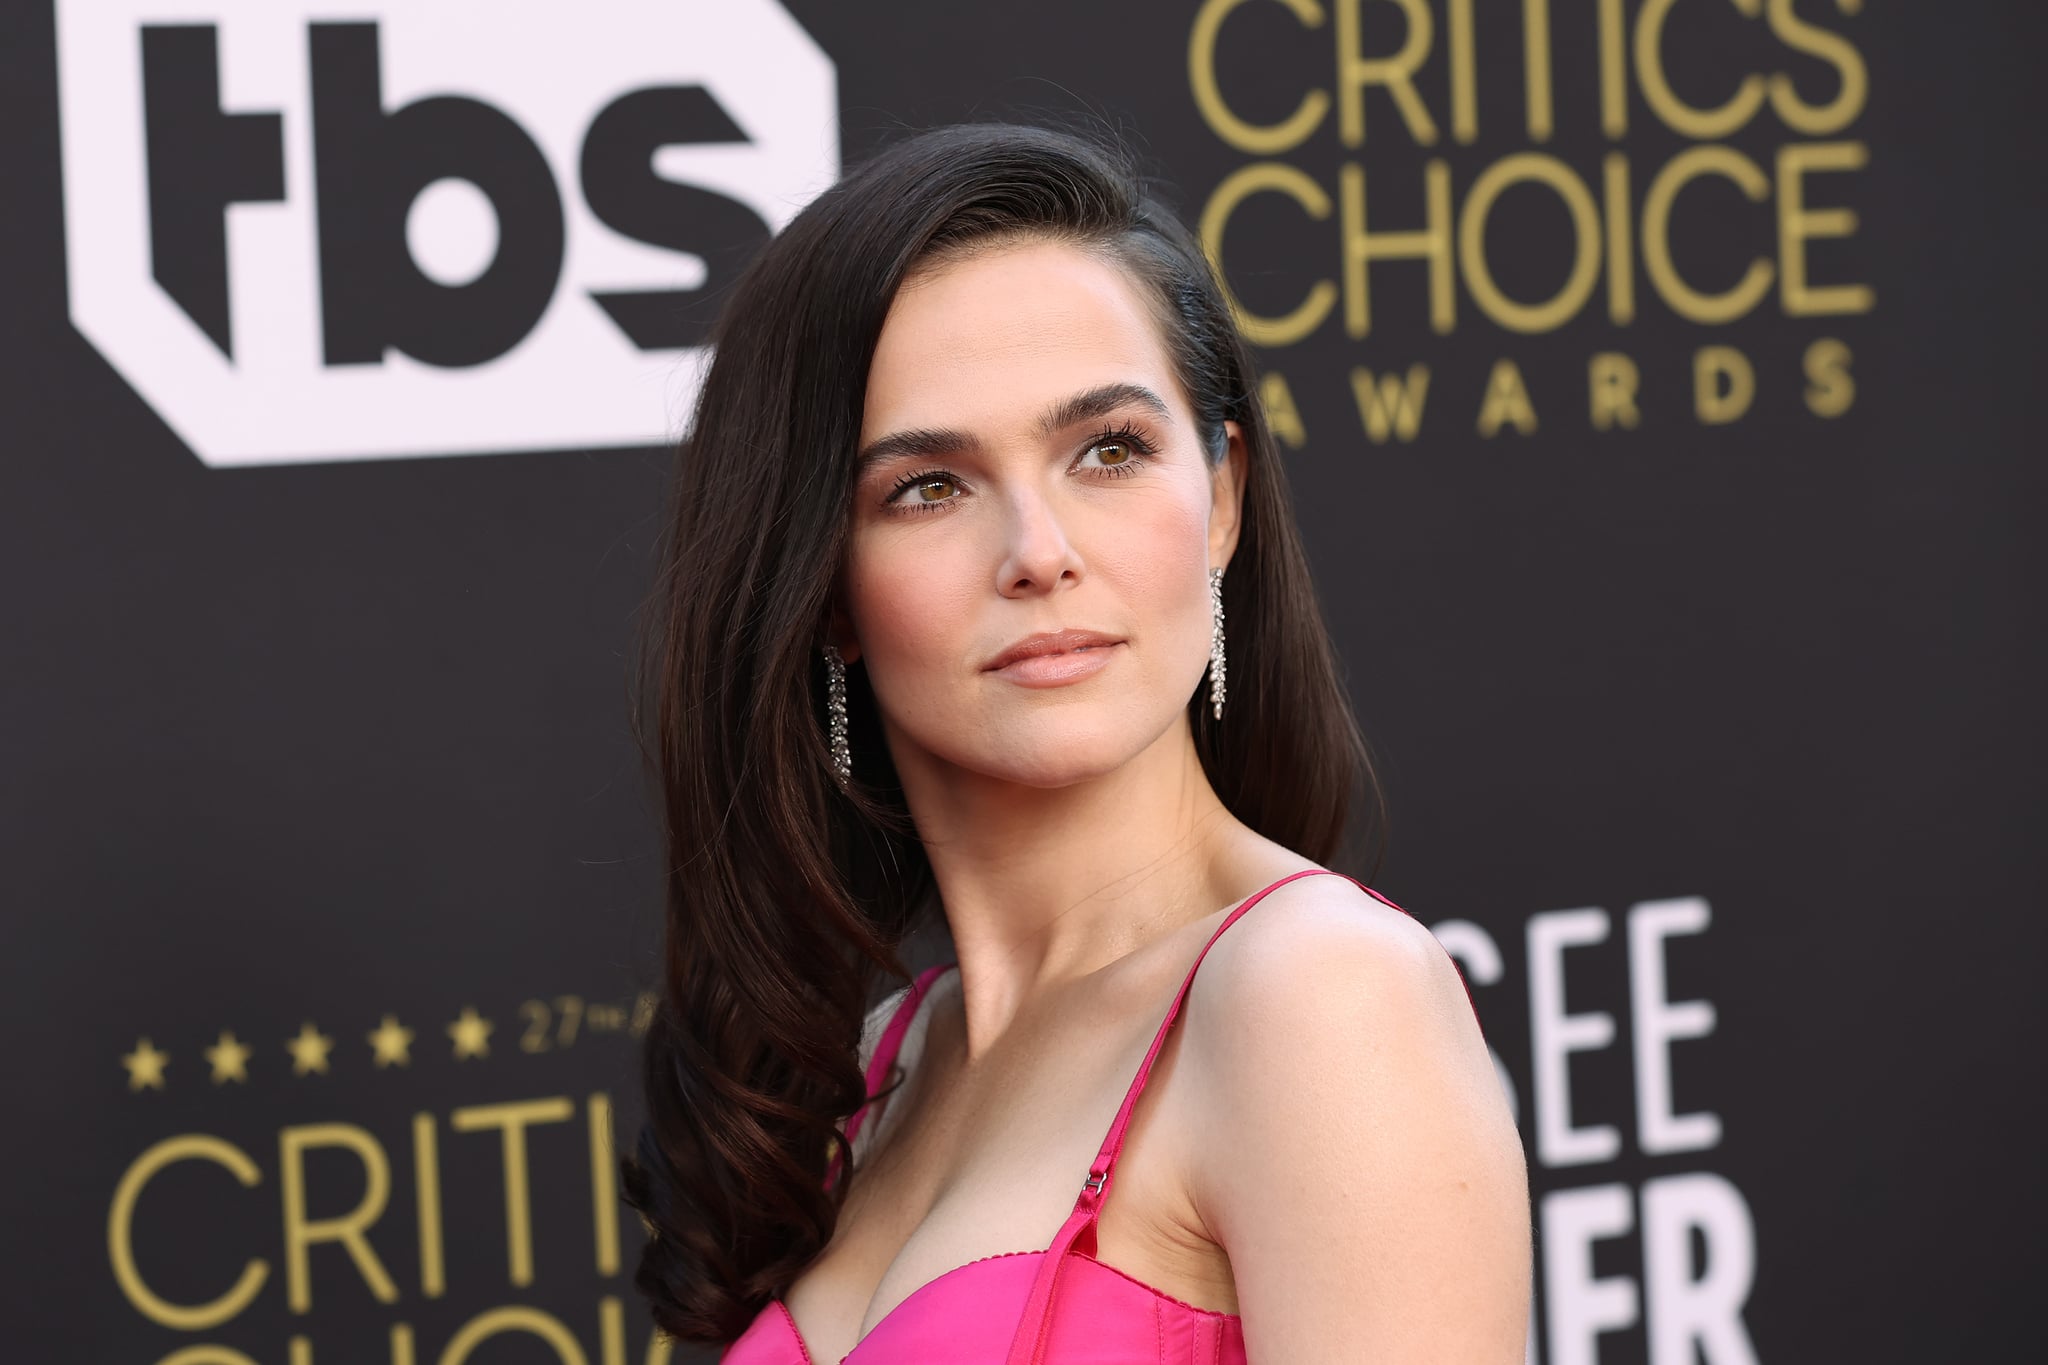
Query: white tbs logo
point(307, 233)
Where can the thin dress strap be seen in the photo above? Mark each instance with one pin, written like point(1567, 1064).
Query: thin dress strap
point(1078, 1233)
point(886, 1049)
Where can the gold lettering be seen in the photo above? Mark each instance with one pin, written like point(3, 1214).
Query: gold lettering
point(1830, 391)
point(1396, 73)
point(1612, 380)
point(1464, 78)
point(1542, 169)
point(1536, 68)
point(1613, 70)
point(1431, 244)
point(1838, 52)
point(1283, 414)
point(1507, 400)
point(426, 1162)
point(1797, 223)
point(1621, 272)
point(1239, 185)
point(512, 1119)
point(1388, 405)
point(1712, 364)
point(1700, 124)
point(529, 1321)
point(301, 1232)
point(611, 1330)
point(1681, 170)
point(604, 1191)
point(121, 1234)
point(1257, 139)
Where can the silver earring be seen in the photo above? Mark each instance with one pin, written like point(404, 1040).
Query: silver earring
point(1216, 644)
point(835, 710)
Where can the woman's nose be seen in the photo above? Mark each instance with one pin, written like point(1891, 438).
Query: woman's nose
point(1038, 554)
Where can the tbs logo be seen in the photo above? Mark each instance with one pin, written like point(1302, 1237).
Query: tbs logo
point(309, 232)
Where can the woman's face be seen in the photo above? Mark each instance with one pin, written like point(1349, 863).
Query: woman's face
point(1030, 466)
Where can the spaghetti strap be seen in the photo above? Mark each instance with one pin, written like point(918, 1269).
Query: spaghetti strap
point(1113, 1144)
point(886, 1049)
point(1078, 1234)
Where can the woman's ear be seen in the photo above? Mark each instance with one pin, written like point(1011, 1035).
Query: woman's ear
point(1226, 495)
point(839, 630)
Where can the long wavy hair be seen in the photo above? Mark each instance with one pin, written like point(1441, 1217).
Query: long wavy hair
point(788, 899)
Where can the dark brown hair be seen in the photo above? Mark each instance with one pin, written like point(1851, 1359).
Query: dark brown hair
point(788, 899)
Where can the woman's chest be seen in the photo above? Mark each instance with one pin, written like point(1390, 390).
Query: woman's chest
point(977, 1163)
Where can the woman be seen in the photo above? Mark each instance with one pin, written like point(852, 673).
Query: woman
point(982, 599)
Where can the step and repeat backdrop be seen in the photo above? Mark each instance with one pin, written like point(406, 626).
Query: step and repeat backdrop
point(1658, 383)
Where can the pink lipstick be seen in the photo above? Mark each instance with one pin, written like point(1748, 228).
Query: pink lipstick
point(1054, 658)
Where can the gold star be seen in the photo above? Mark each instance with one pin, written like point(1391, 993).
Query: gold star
point(391, 1043)
point(309, 1049)
point(470, 1033)
point(145, 1066)
point(230, 1059)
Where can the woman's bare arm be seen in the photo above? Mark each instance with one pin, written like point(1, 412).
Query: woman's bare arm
point(1358, 1162)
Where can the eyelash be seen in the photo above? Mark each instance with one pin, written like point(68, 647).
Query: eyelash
point(1123, 433)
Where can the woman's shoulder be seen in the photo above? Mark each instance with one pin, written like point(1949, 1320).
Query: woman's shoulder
point(1317, 960)
point(1300, 925)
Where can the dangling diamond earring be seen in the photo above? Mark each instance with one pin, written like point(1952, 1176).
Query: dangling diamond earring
point(1216, 644)
point(835, 710)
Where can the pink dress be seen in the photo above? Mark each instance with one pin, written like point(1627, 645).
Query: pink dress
point(1059, 1305)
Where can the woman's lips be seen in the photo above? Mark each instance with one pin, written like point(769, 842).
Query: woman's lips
point(1057, 670)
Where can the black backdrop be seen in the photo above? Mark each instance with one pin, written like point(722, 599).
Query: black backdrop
point(313, 697)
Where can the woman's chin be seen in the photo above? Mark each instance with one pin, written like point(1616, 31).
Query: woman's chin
point(1043, 750)
point(1070, 755)
point(1050, 776)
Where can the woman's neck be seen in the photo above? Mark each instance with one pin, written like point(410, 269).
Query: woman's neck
point(1045, 886)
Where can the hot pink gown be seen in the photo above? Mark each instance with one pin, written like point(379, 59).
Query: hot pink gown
point(1058, 1306)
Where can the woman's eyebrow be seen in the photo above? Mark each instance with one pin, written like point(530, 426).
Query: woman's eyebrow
point(931, 442)
point(1100, 402)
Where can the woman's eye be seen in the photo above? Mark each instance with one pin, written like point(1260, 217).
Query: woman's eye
point(927, 488)
point(1112, 454)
